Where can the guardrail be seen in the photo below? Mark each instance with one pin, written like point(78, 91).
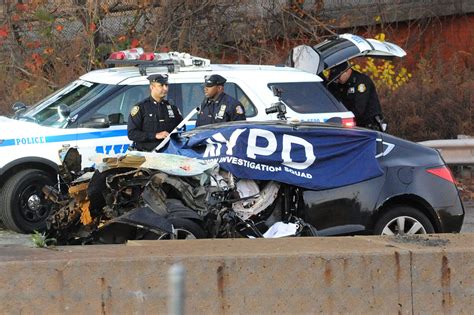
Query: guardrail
point(454, 151)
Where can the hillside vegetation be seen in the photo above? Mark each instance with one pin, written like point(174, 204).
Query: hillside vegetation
point(428, 95)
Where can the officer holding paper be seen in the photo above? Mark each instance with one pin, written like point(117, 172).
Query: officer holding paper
point(152, 119)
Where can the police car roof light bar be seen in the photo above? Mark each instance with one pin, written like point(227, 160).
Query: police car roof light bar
point(170, 67)
point(147, 56)
point(144, 64)
point(174, 61)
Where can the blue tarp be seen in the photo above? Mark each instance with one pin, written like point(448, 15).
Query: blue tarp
point(309, 157)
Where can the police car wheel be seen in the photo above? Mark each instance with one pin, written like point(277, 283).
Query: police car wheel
point(403, 220)
point(22, 205)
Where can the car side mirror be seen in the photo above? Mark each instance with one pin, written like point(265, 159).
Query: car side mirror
point(18, 107)
point(116, 119)
point(96, 121)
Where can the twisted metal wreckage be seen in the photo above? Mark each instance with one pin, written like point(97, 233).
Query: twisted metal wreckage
point(163, 196)
point(184, 195)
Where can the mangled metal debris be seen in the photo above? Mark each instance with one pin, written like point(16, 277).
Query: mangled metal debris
point(165, 196)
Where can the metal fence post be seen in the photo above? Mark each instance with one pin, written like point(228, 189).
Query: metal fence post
point(176, 296)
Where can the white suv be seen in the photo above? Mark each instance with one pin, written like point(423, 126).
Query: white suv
point(91, 114)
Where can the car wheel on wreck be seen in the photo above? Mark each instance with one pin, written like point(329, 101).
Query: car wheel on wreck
point(403, 220)
point(185, 229)
point(22, 205)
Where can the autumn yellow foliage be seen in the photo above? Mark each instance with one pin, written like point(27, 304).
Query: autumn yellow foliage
point(384, 72)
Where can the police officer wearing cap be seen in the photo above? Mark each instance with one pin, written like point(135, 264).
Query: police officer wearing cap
point(357, 92)
point(152, 119)
point(217, 106)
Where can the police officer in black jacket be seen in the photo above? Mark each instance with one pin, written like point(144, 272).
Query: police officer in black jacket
point(152, 119)
point(218, 106)
point(357, 92)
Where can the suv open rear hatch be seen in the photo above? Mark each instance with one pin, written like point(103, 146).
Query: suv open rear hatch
point(339, 49)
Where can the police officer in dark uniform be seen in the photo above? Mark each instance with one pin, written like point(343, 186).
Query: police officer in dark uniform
point(357, 92)
point(152, 119)
point(217, 106)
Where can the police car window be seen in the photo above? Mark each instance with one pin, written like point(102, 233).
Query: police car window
point(308, 97)
point(82, 93)
point(190, 95)
point(118, 107)
point(236, 92)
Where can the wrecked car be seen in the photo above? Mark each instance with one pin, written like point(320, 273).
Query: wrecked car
point(268, 179)
point(163, 196)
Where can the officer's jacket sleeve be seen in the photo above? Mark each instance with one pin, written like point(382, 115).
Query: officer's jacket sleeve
point(374, 108)
point(135, 127)
point(236, 110)
point(333, 89)
point(201, 115)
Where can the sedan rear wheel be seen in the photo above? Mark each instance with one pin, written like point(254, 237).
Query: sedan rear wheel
point(403, 220)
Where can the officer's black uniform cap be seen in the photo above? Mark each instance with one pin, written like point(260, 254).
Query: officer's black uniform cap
point(334, 72)
point(215, 79)
point(160, 78)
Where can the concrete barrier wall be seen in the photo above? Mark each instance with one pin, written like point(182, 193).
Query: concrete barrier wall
point(381, 275)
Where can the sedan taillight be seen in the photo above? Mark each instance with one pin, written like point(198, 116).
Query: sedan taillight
point(444, 172)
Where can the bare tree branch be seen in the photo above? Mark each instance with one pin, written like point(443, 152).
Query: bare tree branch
point(26, 72)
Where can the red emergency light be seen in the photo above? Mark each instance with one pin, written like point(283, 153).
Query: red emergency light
point(147, 56)
point(118, 55)
point(129, 54)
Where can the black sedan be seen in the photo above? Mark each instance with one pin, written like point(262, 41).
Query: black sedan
point(267, 179)
point(339, 180)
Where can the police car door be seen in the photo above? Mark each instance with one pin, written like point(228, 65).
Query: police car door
point(103, 129)
point(48, 126)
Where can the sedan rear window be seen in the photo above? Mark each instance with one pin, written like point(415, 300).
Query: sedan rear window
point(308, 97)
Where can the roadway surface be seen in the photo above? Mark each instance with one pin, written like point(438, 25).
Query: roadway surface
point(12, 238)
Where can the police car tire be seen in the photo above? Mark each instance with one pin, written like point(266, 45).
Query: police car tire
point(9, 200)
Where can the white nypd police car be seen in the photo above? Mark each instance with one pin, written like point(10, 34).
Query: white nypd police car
point(91, 113)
